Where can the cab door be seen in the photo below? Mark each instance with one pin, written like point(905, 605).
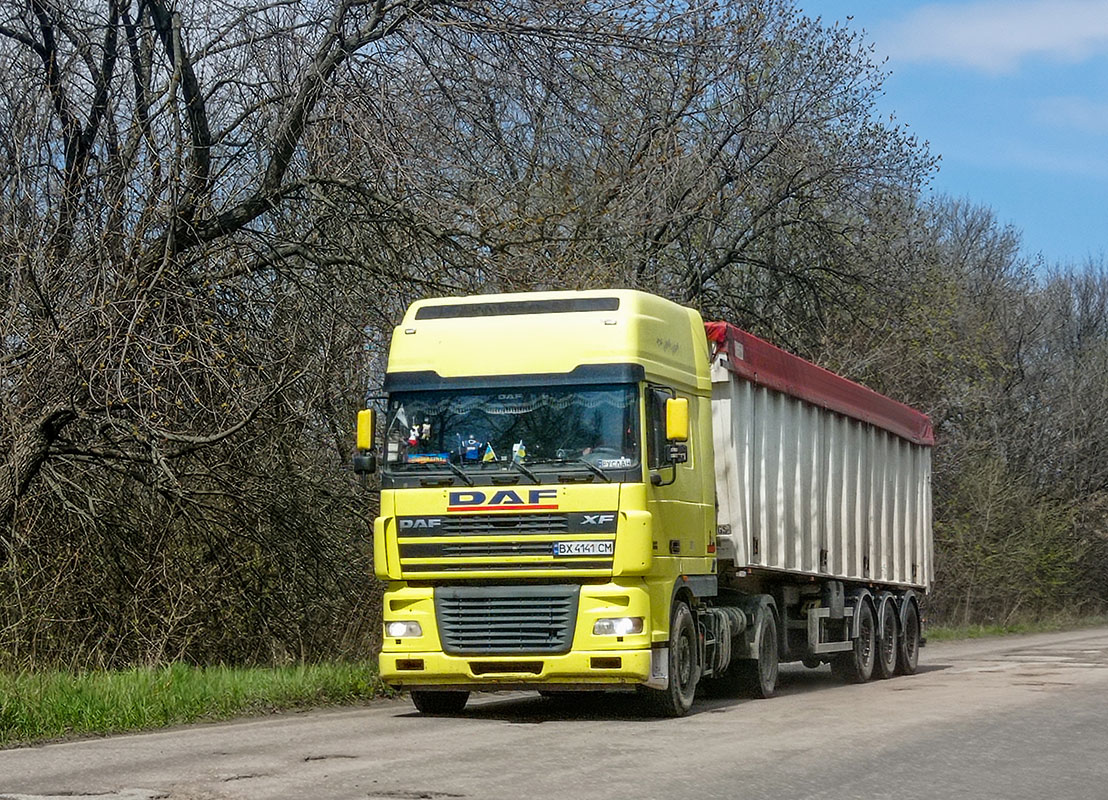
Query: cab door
point(675, 495)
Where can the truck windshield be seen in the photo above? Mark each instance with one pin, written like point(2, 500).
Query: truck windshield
point(478, 429)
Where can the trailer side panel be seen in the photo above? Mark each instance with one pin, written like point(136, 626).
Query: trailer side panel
point(809, 490)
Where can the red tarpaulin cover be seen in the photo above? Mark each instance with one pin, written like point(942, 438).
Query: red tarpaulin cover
point(761, 363)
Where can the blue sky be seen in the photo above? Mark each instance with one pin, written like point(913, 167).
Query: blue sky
point(1014, 97)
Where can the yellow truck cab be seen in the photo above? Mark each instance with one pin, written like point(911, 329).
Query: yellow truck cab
point(548, 507)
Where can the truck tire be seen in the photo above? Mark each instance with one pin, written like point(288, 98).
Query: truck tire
point(759, 676)
point(429, 701)
point(684, 667)
point(908, 658)
point(856, 665)
point(888, 643)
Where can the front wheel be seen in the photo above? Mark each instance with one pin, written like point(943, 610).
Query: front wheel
point(433, 702)
point(684, 667)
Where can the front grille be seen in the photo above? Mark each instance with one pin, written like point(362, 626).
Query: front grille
point(501, 542)
point(502, 620)
point(477, 524)
point(506, 524)
point(451, 549)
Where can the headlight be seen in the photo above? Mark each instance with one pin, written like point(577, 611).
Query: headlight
point(617, 626)
point(401, 629)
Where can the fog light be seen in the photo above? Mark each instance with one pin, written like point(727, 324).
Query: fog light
point(617, 626)
point(401, 629)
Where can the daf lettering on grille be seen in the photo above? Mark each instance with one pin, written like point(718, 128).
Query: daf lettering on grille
point(419, 523)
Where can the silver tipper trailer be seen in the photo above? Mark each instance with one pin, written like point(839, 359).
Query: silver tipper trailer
point(824, 495)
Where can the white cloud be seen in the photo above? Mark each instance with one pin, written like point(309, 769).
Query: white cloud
point(996, 36)
point(1075, 113)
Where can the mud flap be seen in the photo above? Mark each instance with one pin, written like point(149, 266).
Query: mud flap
point(659, 668)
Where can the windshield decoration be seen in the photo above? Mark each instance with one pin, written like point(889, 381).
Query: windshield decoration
point(429, 458)
point(623, 462)
point(530, 431)
point(470, 449)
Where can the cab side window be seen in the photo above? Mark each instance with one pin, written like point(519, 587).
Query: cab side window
point(656, 427)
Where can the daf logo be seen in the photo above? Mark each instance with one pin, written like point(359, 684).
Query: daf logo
point(534, 499)
point(598, 519)
point(424, 523)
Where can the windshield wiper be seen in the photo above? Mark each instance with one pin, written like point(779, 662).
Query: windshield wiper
point(534, 478)
point(595, 469)
point(459, 472)
point(591, 467)
point(453, 468)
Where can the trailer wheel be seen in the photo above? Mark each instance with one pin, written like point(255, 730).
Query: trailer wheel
point(684, 667)
point(856, 665)
point(908, 657)
point(888, 643)
point(429, 701)
point(759, 676)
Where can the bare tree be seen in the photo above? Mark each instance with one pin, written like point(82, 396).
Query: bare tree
point(211, 214)
point(731, 159)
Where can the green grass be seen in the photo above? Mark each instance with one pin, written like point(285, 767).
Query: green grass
point(944, 633)
point(39, 706)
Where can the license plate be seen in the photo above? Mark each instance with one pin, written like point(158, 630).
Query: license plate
point(584, 548)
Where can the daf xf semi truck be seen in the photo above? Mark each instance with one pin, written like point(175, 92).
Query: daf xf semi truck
point(597, 491)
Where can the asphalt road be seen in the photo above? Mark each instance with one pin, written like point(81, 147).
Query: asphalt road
point(1012, 718)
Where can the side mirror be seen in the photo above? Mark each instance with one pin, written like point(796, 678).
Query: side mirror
point(366, 462)
point(677, 419)
point(367, 423)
